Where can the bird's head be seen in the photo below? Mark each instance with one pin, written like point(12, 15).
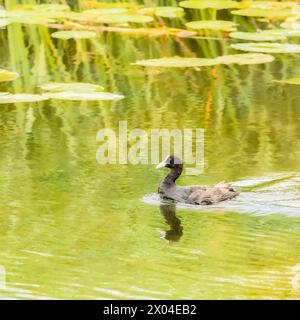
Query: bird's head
point(170, 162)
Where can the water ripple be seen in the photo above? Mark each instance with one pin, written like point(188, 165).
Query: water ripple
point(275, 194)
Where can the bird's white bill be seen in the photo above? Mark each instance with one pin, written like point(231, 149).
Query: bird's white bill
point(161, 165)
point(165, 162)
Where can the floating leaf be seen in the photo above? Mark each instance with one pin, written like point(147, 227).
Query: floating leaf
point(169, 12)
point(106, 11)
point(256, 36)
point(177, 62)
point(112, 18)
point(289, 81)
point(104, 5)
point(80, 16)
point(30, 20)
point(6, 75)
point(18, 98)
point(88, 96)
point(214, 4)
point(294, 25)
point(253, 12)
point(66, 35)
point(139, 18)
point(124, 18)
point(71, 87)
point(268, 47)
point(283, 32)
point(29, 17)
point(212, 25)
point(245, 58)
point(270, 5)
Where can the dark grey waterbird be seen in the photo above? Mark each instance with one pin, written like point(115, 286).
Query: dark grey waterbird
point(197, 195)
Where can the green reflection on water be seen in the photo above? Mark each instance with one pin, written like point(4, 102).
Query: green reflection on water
point(73, 229)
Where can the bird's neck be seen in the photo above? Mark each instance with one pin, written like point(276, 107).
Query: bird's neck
point(172, 176)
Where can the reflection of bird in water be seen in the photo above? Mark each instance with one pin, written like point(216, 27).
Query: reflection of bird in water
point(168, 210)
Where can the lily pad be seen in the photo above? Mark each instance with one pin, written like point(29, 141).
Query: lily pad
point(105, 5)
point(169, 12)
point(30, 17)
point(266, 47)
point(23, 97)
point(269, 5)
point(177, 62)
point(87, 96)
point(139, 18)
point(292, 25)
point(30, 20)
point(245, 58)
point(212, 25)
point(256, 12)
point(124, 18)
point(66, 35)
point(256, 36)
point(283, 32)
point(71, 87)
point(214, 4)
point(289, 81)
point(106, 11)
point(6, 75)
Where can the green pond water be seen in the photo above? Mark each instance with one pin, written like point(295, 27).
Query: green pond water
point(71, 228)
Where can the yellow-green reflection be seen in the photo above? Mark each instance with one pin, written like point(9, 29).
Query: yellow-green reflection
point(70, 228)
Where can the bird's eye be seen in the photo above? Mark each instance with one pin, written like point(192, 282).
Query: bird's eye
point(231, 189)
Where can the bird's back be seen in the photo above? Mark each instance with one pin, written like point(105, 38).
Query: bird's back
point(210, 195)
